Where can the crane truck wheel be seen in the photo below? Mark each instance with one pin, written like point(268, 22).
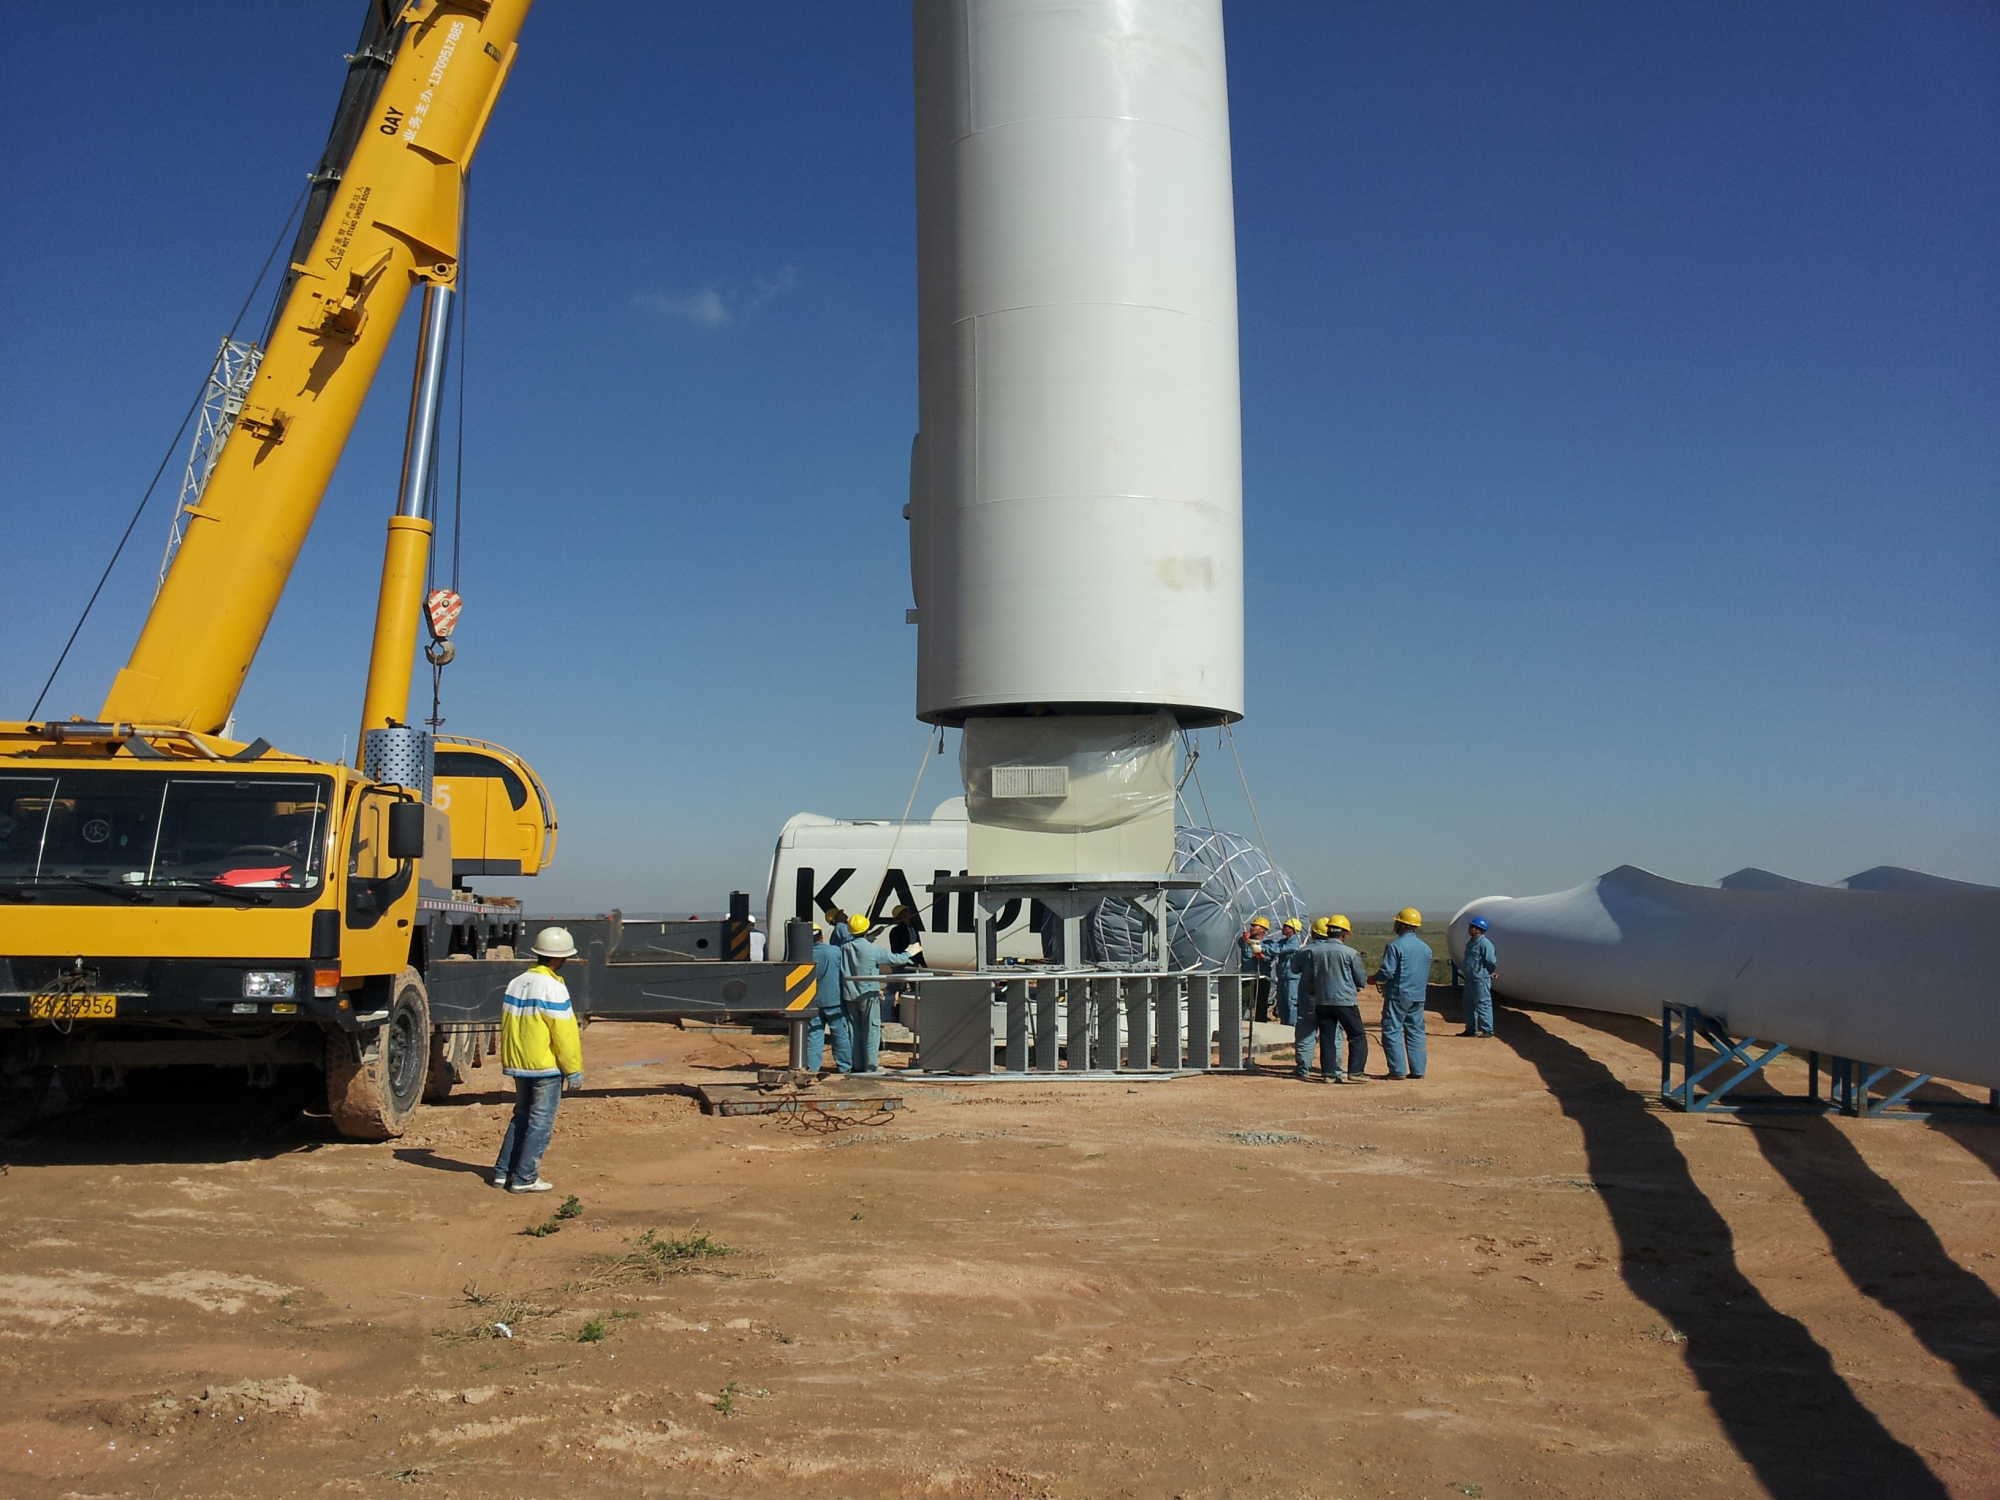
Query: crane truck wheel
point(374, 1080)
point(452, 1053)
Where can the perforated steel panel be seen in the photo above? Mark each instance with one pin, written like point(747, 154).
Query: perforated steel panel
point(402, 756)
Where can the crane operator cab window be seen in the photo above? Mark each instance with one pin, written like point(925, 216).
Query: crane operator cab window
point(103, 837)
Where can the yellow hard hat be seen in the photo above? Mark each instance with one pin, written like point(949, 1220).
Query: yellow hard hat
point(1263, 922)
point(1409, 916)
point(1293, 924)
point(1319, 926)
point(857, 924)
point(1339, 924)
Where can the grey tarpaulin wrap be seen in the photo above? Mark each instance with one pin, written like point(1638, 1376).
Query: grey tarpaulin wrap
point(1203, 924)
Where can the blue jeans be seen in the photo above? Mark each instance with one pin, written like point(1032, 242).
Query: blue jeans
point(864, 1025)
point(1305, 1045)
point(535, 1101)
point(1403, 1037)
point(1479, 1007)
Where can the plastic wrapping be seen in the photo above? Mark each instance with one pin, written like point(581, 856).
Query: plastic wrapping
point(1202, 924)
point(1070, 773)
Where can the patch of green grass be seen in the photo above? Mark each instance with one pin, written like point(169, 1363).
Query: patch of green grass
point(572, 1208)
point(1370, 938)
point(725, 1399)
point(593, 1332)
point(654, 1258)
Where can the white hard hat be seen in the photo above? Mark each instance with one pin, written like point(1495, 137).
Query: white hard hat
point(555, 942)
point(751, 920)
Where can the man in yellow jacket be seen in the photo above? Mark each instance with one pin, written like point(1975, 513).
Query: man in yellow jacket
point(542, 1052)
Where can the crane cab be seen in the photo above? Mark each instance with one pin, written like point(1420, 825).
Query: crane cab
point(502, 821)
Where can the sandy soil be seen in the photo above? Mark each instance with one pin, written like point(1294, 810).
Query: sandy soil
point(1516, 1277)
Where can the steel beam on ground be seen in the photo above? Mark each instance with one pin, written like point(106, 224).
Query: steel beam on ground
point(1138, 1023)
point(1229, 1019)
point(1685, 1025)
point(1104, 1010)
point(1045, 1025)
point(1167, 1021)
point(1078, 1053)
point(1017, 1025)
point(1854, 1086)
point(1200, 1021)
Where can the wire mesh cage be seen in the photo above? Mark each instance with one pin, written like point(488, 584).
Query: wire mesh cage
point(1238, 882)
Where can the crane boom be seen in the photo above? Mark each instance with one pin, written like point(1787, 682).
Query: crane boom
point(392, 222)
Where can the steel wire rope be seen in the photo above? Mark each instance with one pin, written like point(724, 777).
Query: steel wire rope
point(923, 765)
point(457, 346)
point(433, 481)
point(1194, 770)
point(201, 393)
point(464, 329)
point(1262, 842)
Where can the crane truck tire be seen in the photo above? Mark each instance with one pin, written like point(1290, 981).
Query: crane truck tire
point(454, 1053)
point(21, 1100)
point(375, 1079)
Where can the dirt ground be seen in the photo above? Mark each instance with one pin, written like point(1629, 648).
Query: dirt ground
point(1517, 1277)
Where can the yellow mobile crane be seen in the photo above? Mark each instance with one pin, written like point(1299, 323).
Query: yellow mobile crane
point(170, 895)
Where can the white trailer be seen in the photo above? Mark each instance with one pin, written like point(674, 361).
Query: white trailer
point(874, 865)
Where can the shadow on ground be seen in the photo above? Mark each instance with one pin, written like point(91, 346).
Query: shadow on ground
point(191, 1115)
point(1771, 1385)
point(1884, 1245)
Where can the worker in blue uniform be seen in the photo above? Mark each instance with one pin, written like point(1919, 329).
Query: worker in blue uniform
point(1403, 976)
point(1479, 966)
point(1331, 978)
point(860, 962)
point(1280, 953)
point(1254, 966)
point(828, 1018)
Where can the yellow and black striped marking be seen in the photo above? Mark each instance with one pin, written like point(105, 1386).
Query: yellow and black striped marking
point(800, 988)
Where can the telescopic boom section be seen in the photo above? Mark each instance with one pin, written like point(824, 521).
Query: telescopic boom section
point(394, 223)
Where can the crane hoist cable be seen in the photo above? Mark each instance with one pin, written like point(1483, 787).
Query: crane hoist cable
point(173, 446)
point(937, 735)
point(441, 654)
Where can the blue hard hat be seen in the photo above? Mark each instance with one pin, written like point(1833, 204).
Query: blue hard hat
point(1477, 924)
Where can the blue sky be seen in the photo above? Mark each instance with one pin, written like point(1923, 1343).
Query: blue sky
point(1619, 395)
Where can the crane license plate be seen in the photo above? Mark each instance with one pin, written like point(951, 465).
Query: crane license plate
point(73, 1007)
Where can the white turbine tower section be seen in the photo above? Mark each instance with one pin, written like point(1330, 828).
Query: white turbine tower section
point(1895, 977)
point(1076, 526)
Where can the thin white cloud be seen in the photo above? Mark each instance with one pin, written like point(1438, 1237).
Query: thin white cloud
point(715, 307)
point(705, 307)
